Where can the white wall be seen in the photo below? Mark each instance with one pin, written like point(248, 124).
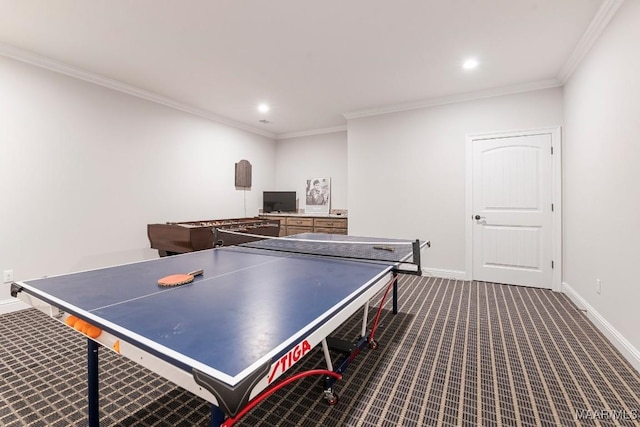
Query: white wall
point(84, 169)
point(601, 175)
point(406, 170)
point(317, 156)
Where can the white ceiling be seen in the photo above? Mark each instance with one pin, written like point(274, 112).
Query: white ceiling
point(312, 61)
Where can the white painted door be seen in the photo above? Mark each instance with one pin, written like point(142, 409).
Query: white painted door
point(512, 210)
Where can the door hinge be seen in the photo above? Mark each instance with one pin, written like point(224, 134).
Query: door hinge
point(551, 207)
point(551, 264)
point(552, 150)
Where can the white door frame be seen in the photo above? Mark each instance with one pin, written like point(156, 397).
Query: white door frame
point(556, 197)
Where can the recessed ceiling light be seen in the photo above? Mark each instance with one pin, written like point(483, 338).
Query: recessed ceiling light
point(470, 64)
point(263, 108)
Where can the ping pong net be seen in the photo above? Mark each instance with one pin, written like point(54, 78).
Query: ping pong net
point(404, 253)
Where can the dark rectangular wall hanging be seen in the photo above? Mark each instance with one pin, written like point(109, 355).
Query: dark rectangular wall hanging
point(243, 174)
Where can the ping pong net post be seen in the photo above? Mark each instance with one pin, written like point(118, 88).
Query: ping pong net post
point(403, 254)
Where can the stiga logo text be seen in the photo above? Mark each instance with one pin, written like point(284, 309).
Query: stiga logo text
point(289, 359)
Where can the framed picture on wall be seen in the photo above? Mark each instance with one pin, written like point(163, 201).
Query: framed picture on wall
point(318, 192)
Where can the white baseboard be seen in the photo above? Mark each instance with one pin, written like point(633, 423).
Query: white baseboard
point(445, 274)
point(617, 339)
point(11, 305)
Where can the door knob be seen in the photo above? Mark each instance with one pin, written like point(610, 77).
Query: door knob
point(478, 217)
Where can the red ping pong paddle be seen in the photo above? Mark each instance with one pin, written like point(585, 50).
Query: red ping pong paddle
point(179, 279)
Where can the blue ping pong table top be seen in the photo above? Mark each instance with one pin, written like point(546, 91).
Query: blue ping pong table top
point(249, 306)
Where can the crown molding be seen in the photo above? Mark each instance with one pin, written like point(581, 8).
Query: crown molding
point(465, 97)
point(311, 132)
point(59, 67)
point(599, 22)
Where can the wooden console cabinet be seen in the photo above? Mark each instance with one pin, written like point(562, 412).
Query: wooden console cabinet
point(294, 224)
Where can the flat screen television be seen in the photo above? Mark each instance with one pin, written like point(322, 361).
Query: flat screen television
point(279, 201)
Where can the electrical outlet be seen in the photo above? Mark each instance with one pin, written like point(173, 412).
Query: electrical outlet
point(598, 286)
point(7, 276)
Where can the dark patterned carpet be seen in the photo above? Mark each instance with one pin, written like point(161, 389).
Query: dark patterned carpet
point(458, 354)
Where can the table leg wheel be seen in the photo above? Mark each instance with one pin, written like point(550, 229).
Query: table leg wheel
point(373, 344)
point(331, 399)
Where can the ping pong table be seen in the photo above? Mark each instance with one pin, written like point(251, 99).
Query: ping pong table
point(229, 336)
